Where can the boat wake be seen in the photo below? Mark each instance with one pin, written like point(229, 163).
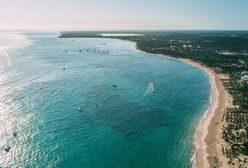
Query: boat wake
point(150, 89)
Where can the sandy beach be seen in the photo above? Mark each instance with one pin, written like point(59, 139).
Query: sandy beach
point(207, 138)
point(208, 131)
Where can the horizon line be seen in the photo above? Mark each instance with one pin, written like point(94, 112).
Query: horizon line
point(116, 30)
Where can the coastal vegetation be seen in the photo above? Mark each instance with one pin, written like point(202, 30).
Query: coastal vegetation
point(225, 52)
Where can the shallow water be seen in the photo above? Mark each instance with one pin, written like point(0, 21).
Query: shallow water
point(123, 126)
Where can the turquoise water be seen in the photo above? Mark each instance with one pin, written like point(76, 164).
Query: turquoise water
point(123, 126)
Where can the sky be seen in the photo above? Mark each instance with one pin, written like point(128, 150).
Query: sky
point(124, 14)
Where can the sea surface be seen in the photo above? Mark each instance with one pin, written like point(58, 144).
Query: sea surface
point(97, 103)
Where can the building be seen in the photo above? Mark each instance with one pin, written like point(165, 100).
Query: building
point(244, 76)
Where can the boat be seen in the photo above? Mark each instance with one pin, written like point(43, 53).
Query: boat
point(7, 148)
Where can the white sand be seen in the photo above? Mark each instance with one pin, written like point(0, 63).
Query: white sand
point(208, 130)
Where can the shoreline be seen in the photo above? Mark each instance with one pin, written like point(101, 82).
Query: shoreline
point(200, 153)
point(208, 129)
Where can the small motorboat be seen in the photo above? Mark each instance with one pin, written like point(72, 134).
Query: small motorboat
point(7, 148)
point(14, 134)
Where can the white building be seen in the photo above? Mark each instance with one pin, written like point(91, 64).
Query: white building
point(244, 75)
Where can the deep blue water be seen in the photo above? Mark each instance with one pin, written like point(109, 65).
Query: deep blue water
point(120, 126)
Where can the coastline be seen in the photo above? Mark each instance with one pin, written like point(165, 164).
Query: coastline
point(201, 154)
point(187, 152)
point(208, 130)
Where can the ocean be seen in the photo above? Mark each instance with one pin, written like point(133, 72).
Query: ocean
point(97, 103)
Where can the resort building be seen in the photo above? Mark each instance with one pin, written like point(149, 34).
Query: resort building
point(244, 75)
